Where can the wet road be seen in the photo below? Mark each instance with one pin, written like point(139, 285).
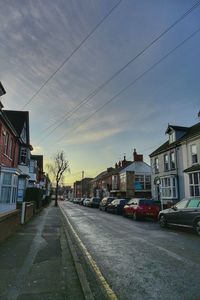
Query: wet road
point(138, 259)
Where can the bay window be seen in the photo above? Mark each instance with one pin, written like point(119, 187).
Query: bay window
point(9, 188)
point(169, 187)
point(194, 183)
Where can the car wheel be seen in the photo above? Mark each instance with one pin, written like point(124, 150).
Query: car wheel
point(163, 221)
point(135, 216)
point(197, 227)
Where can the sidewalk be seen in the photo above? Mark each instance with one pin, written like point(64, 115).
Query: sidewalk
point(36, 263)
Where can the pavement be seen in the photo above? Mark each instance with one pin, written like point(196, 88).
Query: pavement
point(36, 262)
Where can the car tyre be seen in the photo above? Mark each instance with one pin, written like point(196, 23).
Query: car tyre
point(163, 221)
point(197, 227)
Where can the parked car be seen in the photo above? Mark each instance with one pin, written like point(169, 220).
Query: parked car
point(184, 213)
point(81, 201)
point(94, 202)
point(104, 203)
point(86, 201)
point(76, 200)
point(116, 206)
point(140, 208)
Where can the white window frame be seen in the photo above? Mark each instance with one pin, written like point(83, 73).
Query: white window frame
point(172, 137)
point(12, 186)
point(6, 141)
point(194, 156)
point(194, 184)
point(156, 165)
point(166, 162)
point(168, 187)
point(172, 161)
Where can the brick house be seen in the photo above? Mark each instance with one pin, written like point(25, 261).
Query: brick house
point(128, 179)
point(132, 180)
point(9, 154)
point(20, 121)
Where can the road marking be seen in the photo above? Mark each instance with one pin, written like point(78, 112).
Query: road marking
point(110, 293)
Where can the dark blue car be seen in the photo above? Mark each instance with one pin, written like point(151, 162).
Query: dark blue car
point(116, 206)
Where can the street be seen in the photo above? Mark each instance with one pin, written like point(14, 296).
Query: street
point(137, 258)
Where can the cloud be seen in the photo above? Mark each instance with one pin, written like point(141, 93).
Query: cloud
point(37, 150)
point(93, 136)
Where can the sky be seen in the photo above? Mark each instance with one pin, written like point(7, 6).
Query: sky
point(57, 56)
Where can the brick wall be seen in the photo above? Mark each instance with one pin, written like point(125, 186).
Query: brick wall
point(8, 223)
point(29, 211)
point(5, 160)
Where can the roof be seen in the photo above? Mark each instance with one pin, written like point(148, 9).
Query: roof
point(18, 119)
point(138, 167)
point(190, 132)
point(2, 90)
point(192, 169)
point(176, 128)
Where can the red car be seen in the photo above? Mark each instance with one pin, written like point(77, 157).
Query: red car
point(141, 209)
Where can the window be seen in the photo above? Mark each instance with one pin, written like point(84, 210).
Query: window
point(193, 203)
point(194, 154)
point(23, 156)
point(194, 183)
point(9, 188)
point(123, 181)
point(166, 162)
point(10, 148)
point(172, 160)
point(172, 137)
point(139, 182)
point(169, 187)
point(6, 139)
point(148, 182)
point(114, 182)
point(142, 182)
point(156, 165)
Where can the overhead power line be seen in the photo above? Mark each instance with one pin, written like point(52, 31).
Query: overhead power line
point(73, 52)
point(135, 80)
point(97, 90)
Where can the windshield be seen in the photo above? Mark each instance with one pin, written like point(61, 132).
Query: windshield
point(146, 202)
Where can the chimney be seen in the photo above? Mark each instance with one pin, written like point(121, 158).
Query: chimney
point(124, 161)
point(137, 157)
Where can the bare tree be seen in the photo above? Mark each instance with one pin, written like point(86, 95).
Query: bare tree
point(58, 168)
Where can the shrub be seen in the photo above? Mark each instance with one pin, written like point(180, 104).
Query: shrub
point(34, 195)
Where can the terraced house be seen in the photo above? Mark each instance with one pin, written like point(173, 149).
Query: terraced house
point(9, 154)
point(176, 165)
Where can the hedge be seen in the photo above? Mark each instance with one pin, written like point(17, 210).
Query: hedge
point(34, 195)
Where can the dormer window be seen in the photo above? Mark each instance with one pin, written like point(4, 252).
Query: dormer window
point(194, 154)
point(172, 137)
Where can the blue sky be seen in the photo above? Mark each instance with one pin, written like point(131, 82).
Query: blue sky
point(37, 36)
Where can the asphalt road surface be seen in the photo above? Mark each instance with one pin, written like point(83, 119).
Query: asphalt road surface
point(139, 259)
